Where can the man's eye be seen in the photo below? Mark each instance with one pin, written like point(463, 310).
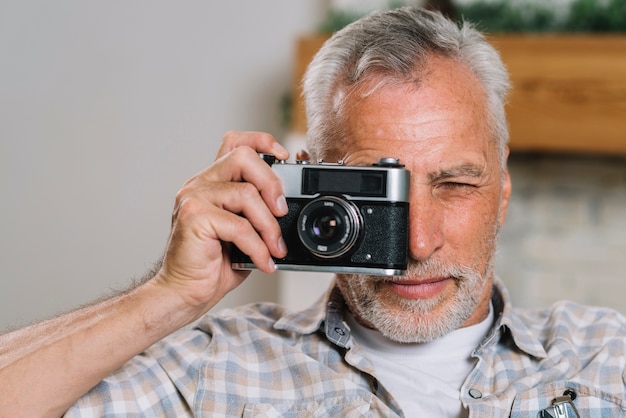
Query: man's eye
point(454, 184)
point(452, 189)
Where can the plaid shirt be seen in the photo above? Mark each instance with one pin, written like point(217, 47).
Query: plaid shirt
point(260, 360)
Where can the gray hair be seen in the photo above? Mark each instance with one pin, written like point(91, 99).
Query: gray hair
point(393, 44)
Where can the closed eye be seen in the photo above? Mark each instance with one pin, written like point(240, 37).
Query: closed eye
point(458, 181)
point(456, 184)
point(453, 189)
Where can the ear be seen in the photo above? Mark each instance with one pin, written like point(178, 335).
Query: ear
point(505, 197)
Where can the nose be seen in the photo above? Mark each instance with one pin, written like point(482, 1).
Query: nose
point(426, 219)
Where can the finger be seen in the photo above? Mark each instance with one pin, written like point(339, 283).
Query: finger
point(240, 232)
point(242, 199)
point(196, 249)
point(204, 226)
point(243, 165)
point(260, 142)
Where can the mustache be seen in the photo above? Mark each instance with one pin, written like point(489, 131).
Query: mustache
point(433, 268)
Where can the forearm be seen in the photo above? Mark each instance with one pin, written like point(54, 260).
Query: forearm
point(45, 368)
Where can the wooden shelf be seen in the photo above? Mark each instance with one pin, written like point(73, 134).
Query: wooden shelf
point(569, 91)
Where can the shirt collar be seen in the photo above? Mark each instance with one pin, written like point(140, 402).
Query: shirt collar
point(509, 324)
point(327, 314)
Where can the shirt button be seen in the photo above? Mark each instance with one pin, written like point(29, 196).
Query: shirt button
point(475, 393)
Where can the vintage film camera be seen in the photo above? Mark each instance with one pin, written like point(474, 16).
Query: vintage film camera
point(342, 219)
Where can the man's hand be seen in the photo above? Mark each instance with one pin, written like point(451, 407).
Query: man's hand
point(236, 200)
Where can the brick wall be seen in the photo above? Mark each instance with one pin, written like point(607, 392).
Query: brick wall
point(565, 236)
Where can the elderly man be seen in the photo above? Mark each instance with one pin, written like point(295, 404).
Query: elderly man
point(441, 340)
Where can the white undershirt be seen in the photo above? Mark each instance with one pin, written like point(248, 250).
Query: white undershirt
point(426, 378)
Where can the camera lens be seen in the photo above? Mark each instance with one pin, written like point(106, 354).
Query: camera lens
point(329, 226)
point(326, 226)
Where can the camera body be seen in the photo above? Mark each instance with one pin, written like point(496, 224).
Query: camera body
point(342, 219)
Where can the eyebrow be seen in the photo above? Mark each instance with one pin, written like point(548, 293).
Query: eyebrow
point(462, 170)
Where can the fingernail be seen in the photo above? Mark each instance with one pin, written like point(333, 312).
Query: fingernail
point(271, 265)
point(282, 246)
point(281, 204)
point(278, 149)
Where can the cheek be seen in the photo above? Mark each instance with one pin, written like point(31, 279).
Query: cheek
point(471, 228)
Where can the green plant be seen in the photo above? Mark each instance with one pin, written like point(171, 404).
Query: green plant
point(590, 15)
point(504, 16)
point(510, 16)
point(337, 19)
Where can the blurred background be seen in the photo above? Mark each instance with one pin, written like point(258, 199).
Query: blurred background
point(106, 108)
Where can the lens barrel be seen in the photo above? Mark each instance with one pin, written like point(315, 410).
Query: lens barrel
point(329, 226)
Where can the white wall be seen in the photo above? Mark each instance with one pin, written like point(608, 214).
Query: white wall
point(106, 108)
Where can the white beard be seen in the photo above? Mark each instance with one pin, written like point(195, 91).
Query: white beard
point(416, 321)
